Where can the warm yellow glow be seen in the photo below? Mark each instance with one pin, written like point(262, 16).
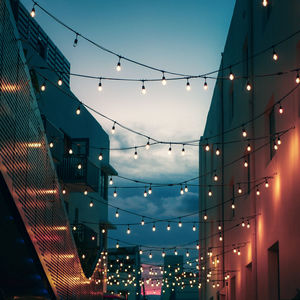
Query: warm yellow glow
point(34, 145)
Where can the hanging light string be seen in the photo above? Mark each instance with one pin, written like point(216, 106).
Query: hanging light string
point(121, 57)
point(152, 139)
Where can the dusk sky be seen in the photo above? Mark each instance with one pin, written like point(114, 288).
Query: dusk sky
point(181, 36)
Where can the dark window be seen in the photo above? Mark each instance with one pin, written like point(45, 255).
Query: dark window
point(272, 131)
point(273, 272)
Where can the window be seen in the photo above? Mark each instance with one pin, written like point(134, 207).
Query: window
point(272, 131)
point(273, 272)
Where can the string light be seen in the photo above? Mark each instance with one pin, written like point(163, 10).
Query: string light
point(205, 217)
point(220, 237)
point(32, 13)
point(135, 153)
point(210, 192)
point(163, 80)
point(60, 82)
point(85, 192)
point(197, 246)
point(163, 254)
point(150, 190)
point(246, 164)
point(278, 141)
point(150, 255)
point(113, 129)
point(243, 223)
point(188, 86)
point(75, 41)
point(205, 86)
point(231, 75)
point(186, 188)
point(175, 252)
point(194, 227)
point(100, 157)
point(118, 67)
point(91, 203)
point(257, 191)
point(141, 251)
point(240, 190)
point(265, 3)
point(128, 230)
point(181, 191)
point(239, 252)
point(248, 224)
point(100, 88)
point(51, 144)
point(43, 86)
point(148, 144)
point(153, 227)
point(297, 78)
point(266, 183)
point(232, 204)
point(170, 150)
point(180, 223)
point(143, 88)
point(169, 227)
point(70, 151)
point(275, 55)
point(78, 111)
point(219, 227)
point(64, 191)
point(145, 192)
point(117, 213)
point(187, 253)
point(280, 110)
point(249, 148)
point(218, 152)
point(248, 86)
point(142, 222)
point(183, 151)
point(216, 178)
point(115, 193)
point(207, 147)
point(244, 132)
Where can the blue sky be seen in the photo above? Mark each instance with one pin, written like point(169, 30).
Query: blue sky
point(181, 36)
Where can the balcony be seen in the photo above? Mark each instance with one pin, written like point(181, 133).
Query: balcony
point(78, 174)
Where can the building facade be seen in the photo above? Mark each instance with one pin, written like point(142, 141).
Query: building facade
point(249, 158)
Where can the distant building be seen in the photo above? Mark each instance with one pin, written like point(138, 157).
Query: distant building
point(250, 248)
point(124, 272)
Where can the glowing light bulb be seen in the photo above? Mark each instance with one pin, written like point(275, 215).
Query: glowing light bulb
point(278, 141)
point(183, 151)
point(100, 88)
point(168, 227)
point(163, 80)
point(75, 41)
point(175, 252)
point(32, 13)
point(205, 217)
point(246, 164)
point(117, 245)
point(181, 191)
point(210, 193)
point(170, 150)
point(135, 154)
point(248, 86)
point(148, 145)
point(216, 178)
point(150, 190)
point(111, 181)
point(257, 192)
point(218, 152)
point(113, 129)
point(194, 227)
point(117, 213)
point(275, 55)
point(239, 252)
point(179, 223)
point(150, 255)
point(79, 166)
point(100, 157)
point(78, 111)
point(232, 205)
point(70, 151)
point(280, 110)
point(240, 190)
point(248, 224)
point(143, 222)
point(118, 67)
point(297, 78)
point(220, 237)
point(115, 193)
point(244, 133)
point(145, 193)
point(60, 82)
point(153, 227)
point(231, 75)
point(234, 250)
point(43, 87)
point(249, 148)
point(219, 227)
point(267, 183)
point(243, 223)
point(207, 147)
point(188, 86)
point(197, 246)
point(64, 191)
point(187, 253)
point(141, 251)
point(144, 91)
point(163, 254)
point(128, 230)
point(85, 192)
point(51, 144)
point(186, 188)
point(265, 3)
point(91, 204)
point(205, 86)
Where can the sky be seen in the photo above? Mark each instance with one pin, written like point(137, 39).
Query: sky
point(181, 36)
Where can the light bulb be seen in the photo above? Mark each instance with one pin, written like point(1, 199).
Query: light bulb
point(243, 223)
point(232, 205)
point(245, 164)
point(257, 192)
point(231, 75)
point(194, 227)
point(186, 188)
point(118, 67)
point(266, 183)
point(70, 151)
point(278, 141)
point(78, 111)
point(188, 86)
point(128, 230)
point(275, 55)
point(75, 41)
point(79, 166)
point(298, 78)
point(280, 110)
point(179, 223)
point(240, 190)
point(43, 87)
point(218, 152)
point(234, 250)
point(170, 150)
point(168, 227)
point(220, 237)
point(175, 252)
point(85, 192)
point(239, 252)
point(115, 193)
point(205, 217)
point(181, 191)
point(144, 89)
point(117, 245)
point(244, 132)
point(64, 191)
point(135, 154)
point(210, 193)
point(205, 86)
point(197, 246)
point(91, 204)
point(187, 253)
point(32, 13)
point(183, 151)
point(148, 145)
point(219, 227)
point(150, 255)
point(216, 177)
point(163, 80)
point(249, 148)
point(265, 3)
point(51, 144)
point(60, 82)
point(111, 181)
point(150, 190)
point(207, 147)
point(100, 157)
point(141, 251)
point(113, 129)
point(153, 227)
point(163, 254)
point(100, 88)
point(248, 86)
point(145, 193)
point(248, 224)
point(117, 213)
